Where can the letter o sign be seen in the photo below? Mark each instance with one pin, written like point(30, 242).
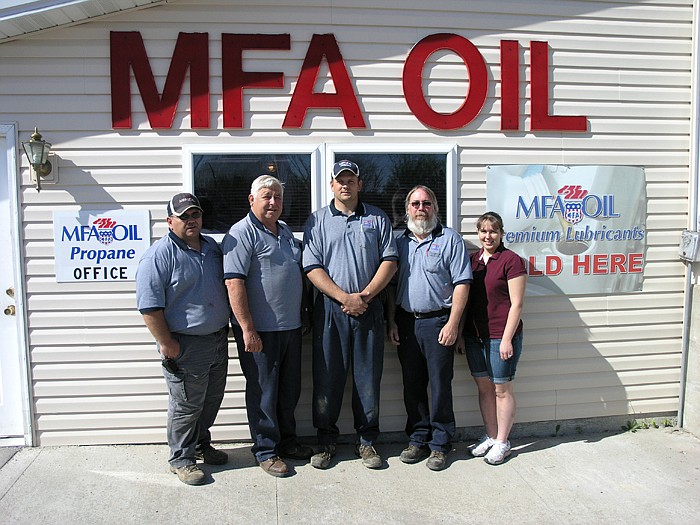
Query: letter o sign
point(413, 81)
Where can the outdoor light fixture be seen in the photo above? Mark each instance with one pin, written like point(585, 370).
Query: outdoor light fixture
point(37, 151)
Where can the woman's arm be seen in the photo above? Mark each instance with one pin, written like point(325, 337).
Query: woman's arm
point(516, 291)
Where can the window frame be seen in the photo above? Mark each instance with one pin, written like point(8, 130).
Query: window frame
point(450, 215)
point(314, 150)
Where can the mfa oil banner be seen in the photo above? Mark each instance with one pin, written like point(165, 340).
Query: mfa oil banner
point(580, 228)
point(94, 246)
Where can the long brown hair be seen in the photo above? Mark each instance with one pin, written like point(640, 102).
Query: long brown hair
point(493, 218)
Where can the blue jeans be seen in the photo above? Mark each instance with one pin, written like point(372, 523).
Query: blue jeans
point(196, 391)
point(484, 358)
point(273, 387)
point(342, 343)
point(425, 362)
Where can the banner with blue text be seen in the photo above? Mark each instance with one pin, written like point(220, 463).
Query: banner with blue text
point(92, 246)
point(581, 229)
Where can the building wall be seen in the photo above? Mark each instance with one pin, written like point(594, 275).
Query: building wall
point(626, 65)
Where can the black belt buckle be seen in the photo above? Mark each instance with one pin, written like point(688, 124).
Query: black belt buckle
point(430, 315)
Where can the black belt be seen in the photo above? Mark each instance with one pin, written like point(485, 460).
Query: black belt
point(429, 315)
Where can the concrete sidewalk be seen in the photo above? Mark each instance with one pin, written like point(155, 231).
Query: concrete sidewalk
point(648, 476)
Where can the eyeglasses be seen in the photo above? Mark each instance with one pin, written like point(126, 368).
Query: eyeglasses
point(187, 216)
point(417, 204)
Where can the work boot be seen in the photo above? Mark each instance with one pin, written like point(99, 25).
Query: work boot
point(437, 460)
point(414, 454)
point(275, 467)
point(370, 458)
point(189, 474)
point(323, 458)
point(211, 456)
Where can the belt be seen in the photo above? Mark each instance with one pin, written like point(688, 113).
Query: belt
point(429, 315)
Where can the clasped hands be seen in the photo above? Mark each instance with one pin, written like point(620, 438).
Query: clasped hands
point(354, 304)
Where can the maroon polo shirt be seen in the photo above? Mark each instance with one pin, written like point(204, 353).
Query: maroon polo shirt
point(489, 301)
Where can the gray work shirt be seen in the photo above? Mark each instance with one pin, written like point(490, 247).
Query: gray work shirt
point(188, 285)
point(271, 267)
point(349, 248)
point(430, 269)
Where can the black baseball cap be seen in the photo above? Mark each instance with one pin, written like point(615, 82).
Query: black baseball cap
point(182, 202)
point(345, 165)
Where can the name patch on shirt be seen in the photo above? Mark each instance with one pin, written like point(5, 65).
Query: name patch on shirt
point(367, 223)
point(434, 250)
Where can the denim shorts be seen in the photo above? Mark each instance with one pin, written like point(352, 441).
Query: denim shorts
point(484, 358)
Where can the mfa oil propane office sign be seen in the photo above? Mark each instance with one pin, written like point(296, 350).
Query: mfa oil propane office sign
point(581, 229)
point(99, 246)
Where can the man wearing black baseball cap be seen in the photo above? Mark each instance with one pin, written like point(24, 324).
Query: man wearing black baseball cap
point(181, 294)
point(182, 202)
point(344, 166)
point(350, 256)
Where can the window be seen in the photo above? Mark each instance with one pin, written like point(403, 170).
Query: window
point(221, 178)
point(389, 171)
point(387, 178)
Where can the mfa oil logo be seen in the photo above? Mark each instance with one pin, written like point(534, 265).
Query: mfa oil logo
point(104, 230)
point(572, 202)
point(106, 261)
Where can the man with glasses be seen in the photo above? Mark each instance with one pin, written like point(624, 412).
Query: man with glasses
point(432, 288)
point(181, 294)
point(349, 256)
point(262, 268)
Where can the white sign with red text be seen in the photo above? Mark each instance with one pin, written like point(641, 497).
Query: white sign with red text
point(581, 229)
point(98, 246)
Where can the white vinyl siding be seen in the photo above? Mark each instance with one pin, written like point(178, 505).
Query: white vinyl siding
point(626, 65)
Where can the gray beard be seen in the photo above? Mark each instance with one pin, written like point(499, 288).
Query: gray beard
point(422, 227)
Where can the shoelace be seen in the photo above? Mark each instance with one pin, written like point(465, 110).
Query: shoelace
point(366, 450)
point(500, 448)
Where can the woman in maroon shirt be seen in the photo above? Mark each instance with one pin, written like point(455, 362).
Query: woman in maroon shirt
point(493, 334)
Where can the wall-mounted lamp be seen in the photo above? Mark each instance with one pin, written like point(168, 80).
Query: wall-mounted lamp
point(37, 151)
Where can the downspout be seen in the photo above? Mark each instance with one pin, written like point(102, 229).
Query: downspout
point(693, 197)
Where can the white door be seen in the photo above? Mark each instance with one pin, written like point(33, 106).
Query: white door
point(13, 374)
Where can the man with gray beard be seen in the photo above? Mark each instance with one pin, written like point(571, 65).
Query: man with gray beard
point(424, 322)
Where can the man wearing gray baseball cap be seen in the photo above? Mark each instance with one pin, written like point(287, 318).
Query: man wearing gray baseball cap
point(181, 294)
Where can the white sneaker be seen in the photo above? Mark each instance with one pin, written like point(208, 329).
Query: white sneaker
point(482, 447)
point(498, 453)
